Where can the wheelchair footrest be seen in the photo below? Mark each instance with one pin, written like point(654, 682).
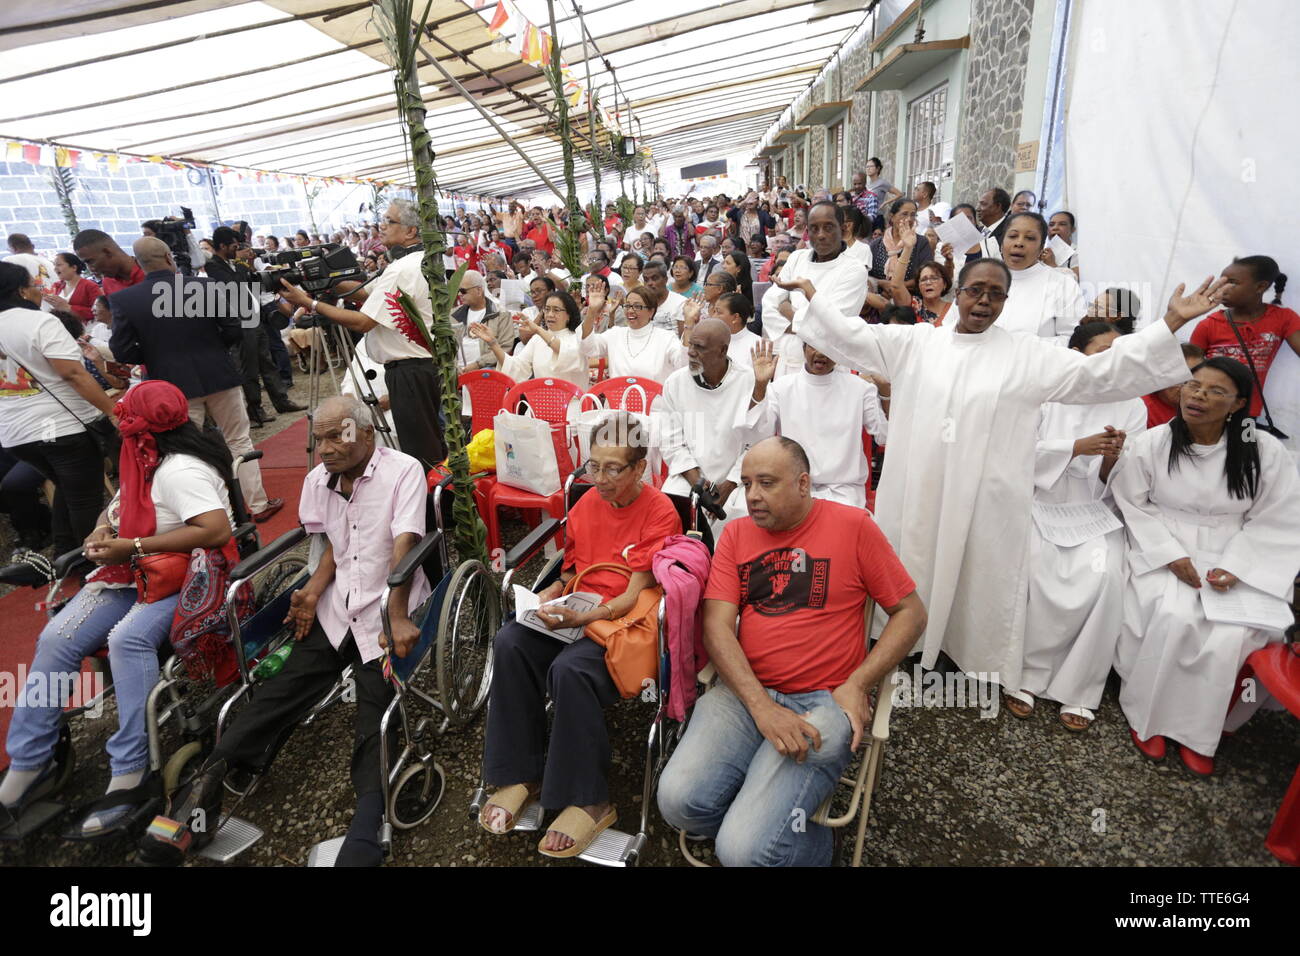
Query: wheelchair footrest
point(236, 836)
point(36, 816)
point(530, 820)
point(325, 852)
point(610, 848)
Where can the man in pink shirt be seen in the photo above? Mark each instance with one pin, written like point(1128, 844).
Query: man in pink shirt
point(369, 503)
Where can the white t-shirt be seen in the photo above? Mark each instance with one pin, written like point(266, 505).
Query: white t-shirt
point(384, 342)
point(40, 268)
point(670, 312)
point(29, 410)
point(184, 487)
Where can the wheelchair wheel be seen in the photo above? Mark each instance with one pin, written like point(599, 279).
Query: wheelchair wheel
point(181, 765)
point(468, 619)
point(416, 794)
point(279, 576)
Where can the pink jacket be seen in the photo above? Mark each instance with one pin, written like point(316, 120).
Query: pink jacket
point(682, 568)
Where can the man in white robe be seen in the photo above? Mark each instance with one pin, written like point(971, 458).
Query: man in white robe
point(826, 413)
point(841, 277)
point(955, 495)
point(701, 418)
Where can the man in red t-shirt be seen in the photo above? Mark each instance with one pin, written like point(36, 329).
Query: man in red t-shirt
point(623, 521)
point(768, 743)
point(104, 256)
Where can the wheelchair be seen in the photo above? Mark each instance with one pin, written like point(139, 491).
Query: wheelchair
point(614, 848)
point(175, 700)
point(850, 803)
point(446, 675)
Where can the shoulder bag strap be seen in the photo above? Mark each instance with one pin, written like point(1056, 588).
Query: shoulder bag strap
point(1268, 416)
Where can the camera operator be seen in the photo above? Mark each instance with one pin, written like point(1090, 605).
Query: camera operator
point(191, 352)
point(198, 257)
point(255, 349)
point(409, 370)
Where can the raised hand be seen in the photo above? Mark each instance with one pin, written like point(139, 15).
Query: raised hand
point(482, 332)
point(691, 310)
point(1183, 308)
point(764, 358)
point(798, 285)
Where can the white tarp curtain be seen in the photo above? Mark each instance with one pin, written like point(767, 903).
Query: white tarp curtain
point(1181, 149)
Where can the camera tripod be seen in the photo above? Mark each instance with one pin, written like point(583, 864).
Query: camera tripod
point(331, 347)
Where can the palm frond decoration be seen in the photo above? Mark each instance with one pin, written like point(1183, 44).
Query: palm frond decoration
point(397, 26)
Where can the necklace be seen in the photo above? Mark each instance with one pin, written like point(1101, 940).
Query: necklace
point(644, 345)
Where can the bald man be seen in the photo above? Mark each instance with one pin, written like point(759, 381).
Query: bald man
point(768, 743)
point(702, 417)
point(181, 329)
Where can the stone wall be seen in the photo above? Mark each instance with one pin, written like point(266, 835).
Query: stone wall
point(118, 202)
point(994, 96)
point(856, 66)
point(884, 141)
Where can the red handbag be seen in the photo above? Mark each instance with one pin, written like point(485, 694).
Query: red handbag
point(159, 575)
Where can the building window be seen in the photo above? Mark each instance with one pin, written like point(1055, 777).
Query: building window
point(800, 171)
point(835, 156)
point(926, 118)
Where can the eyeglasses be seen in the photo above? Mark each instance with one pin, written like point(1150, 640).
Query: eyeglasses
point(1196, 388)
point(609, 471)
point(979, 292)
point(553, 310)
point(633, 307)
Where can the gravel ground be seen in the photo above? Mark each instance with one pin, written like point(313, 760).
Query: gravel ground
point(957, 788)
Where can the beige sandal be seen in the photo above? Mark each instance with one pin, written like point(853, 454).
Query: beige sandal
point(513, 799)
point(576, 824)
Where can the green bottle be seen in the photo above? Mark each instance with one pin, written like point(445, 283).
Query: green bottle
point(272, 664)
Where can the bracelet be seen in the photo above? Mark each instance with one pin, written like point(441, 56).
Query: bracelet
point(314, 304)
point(138, 549)
point(610, 610)
point(106, 527)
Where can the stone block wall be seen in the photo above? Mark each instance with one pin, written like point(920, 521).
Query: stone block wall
point(994, 96)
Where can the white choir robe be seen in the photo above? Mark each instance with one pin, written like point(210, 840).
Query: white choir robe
point(826, 414)
point(1043, 301)
point(705, 428)
point(539, 360)
point(1179, 669)
point(1076, 594)
point(955, 495)
point(647, 352)
point(741, 348)
point(844, 282)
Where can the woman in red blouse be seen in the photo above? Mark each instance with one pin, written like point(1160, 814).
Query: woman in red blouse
point(73, 292)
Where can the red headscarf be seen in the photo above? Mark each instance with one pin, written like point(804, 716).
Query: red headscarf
point(146, 409)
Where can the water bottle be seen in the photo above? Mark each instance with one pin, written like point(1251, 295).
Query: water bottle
point(272, 664)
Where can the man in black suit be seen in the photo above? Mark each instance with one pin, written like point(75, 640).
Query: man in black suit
point(993, 206)
point(255, 345)
point(180, 329)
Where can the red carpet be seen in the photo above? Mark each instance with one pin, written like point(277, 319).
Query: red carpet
point(283, 464)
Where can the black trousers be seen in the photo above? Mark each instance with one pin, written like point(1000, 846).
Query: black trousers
point(278, 704)
point(413, 394)
point(76, 466)
point(256, 362)
point(528, 666)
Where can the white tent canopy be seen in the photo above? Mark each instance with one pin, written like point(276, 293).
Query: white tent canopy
point(303, 86)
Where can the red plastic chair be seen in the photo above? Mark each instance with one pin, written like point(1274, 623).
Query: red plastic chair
point(1278, 669)
point(487, 390)
point(611, 391)
point(549, 400)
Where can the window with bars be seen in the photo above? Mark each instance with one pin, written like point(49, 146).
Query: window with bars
point(835, 156)
point(926, 118)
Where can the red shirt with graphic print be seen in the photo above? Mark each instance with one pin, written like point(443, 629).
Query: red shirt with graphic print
point(1263, 337)
point(802, 593)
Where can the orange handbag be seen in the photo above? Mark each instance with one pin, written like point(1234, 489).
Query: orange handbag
point(631, 642)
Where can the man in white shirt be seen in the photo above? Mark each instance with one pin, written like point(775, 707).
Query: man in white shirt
point(23, 253)
point(669, 315)
point(842, 277)
point(702, 414)
point(928, 212)
point(824, 412)
point(409, 370)
point(640, 227)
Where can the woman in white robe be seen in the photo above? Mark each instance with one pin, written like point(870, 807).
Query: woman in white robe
point(1076, 592)
point(638, 349)
point(1188, 531)
point(1044, 301)
point(955, 495)
point(552, 352)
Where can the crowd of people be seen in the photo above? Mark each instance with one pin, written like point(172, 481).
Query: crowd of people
point(1031, 488)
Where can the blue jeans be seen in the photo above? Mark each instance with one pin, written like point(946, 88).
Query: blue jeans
point(727, 782)
point(134, 632)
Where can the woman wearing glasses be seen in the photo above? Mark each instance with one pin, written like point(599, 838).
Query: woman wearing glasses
point(552, 347)
point(623, 522)
point(638, 349)
point(1210, 502)
point(955, 497)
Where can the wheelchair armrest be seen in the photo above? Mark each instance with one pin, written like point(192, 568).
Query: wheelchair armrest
point(437, 492)
point(275, 550)
point(248, 456)
point(71, 562)
point(532, 543)
point(413, 559)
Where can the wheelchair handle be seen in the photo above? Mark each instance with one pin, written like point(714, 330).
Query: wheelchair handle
point(708, 500)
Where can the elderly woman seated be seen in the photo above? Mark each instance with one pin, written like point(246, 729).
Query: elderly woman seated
point(623, 522)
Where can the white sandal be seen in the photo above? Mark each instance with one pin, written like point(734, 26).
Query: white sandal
point(1021, 696)
point(1083, 713)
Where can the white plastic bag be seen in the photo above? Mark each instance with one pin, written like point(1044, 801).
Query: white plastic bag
point(525, 453)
